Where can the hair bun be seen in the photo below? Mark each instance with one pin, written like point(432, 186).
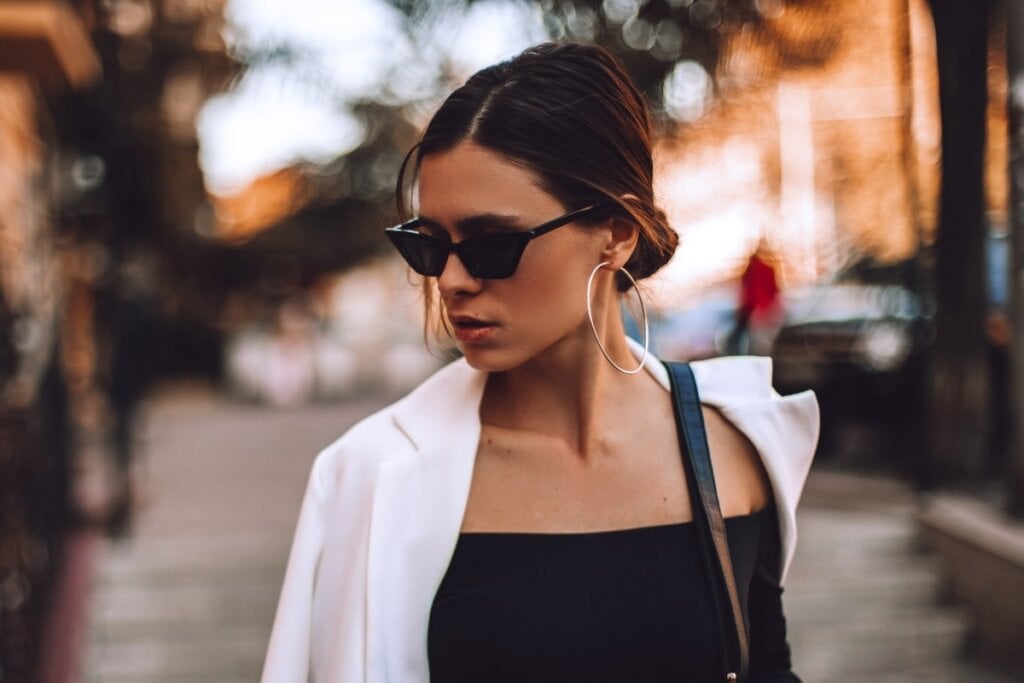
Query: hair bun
point(656, 246)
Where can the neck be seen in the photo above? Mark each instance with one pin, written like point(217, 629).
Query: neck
point(570, 391)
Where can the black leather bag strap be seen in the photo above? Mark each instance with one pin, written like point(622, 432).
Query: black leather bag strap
point(707, 514)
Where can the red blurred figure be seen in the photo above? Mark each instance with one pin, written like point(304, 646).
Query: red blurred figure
point(759, 301)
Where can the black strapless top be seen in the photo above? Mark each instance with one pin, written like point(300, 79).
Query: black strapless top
point(626, 605)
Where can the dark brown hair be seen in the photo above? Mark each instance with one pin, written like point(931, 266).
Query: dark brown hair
point(569, 113)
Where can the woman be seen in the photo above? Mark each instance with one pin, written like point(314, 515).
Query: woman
point(523, 515)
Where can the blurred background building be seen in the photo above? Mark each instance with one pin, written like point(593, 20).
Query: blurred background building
point(196, 189)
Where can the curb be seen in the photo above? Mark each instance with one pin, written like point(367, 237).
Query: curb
point(981, 554)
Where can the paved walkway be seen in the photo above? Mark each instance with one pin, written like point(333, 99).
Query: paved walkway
point(190, 595)
point(862, 595)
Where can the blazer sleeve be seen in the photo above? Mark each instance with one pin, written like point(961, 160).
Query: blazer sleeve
point(288, 654)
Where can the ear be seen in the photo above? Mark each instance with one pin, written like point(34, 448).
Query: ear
point(621, 240)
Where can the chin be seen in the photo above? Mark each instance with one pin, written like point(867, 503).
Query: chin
point(491, 360)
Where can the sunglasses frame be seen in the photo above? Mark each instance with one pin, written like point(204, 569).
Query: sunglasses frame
point(399, 235)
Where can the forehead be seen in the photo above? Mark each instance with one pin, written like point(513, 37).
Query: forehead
point(469, 179)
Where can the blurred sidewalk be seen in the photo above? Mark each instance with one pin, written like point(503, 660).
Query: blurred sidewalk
point(190, 595)
point(862, 597)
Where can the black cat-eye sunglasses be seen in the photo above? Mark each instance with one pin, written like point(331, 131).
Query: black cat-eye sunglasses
point(489, 256)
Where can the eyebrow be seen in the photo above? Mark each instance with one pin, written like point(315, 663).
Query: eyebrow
point(479, 223)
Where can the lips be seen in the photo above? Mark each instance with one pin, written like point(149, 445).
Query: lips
point(469, 329)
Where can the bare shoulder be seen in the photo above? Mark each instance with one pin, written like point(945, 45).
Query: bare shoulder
point(740, 477)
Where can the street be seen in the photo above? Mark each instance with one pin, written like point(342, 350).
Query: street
point(189, 595)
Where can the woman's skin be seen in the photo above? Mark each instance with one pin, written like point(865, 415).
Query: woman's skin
point(568, 443)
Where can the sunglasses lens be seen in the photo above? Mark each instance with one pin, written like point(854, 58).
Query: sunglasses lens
point(493, 256)
point(427, 255)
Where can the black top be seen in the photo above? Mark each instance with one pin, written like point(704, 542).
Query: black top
point(627, 605)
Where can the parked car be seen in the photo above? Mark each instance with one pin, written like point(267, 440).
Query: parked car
point(858, 341)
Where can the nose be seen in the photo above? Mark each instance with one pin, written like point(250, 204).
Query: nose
point(455, 280)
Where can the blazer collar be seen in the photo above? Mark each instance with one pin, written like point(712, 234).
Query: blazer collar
point(447, 404)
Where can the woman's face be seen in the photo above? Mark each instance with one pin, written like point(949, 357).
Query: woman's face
point(500, 324)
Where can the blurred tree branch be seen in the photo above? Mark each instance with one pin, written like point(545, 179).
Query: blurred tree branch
point(652, 36)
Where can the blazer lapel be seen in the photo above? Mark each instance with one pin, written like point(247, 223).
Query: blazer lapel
point(419, 502)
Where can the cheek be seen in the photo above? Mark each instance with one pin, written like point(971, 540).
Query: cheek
point(552, 290)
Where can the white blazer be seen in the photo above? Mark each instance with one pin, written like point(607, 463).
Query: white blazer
point(384, 506)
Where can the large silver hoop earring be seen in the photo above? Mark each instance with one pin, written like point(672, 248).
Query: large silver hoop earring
point(593, 327)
